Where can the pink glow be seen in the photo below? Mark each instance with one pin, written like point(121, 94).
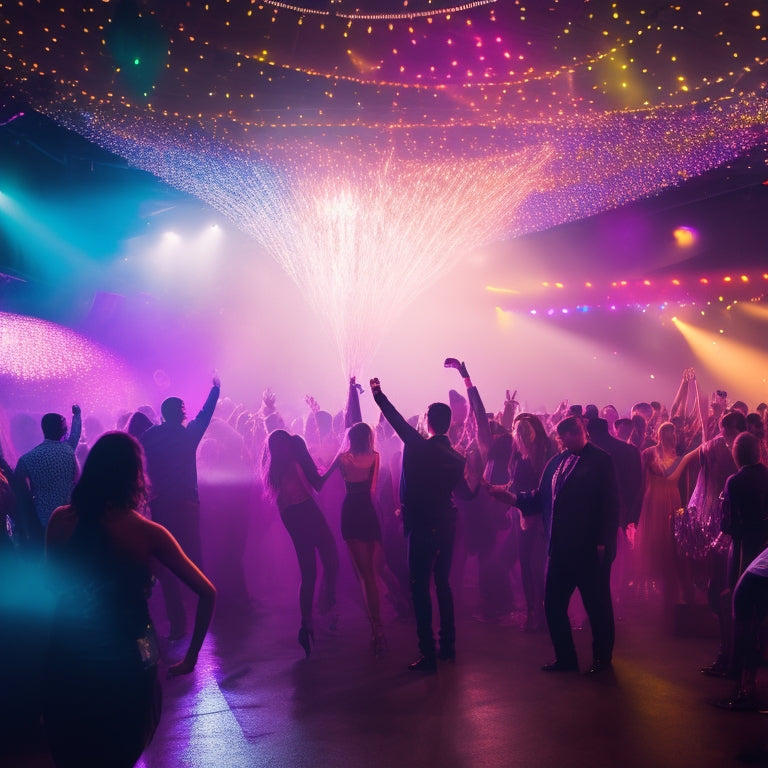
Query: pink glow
point(61, 366)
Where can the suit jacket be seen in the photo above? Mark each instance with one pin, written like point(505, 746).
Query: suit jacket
point(629, 475)
point(432, 470)
point(584, 513)
point(745, 513)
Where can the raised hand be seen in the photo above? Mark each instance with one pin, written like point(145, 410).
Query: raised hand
point(375, 386)
point(452, 362)
point(268, 399)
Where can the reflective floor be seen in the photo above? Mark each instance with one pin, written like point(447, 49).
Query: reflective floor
point(254, 700)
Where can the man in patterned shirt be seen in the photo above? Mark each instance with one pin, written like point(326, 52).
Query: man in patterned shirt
point(45, 475)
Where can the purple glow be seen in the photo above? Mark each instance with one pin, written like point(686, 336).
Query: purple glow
point(61, 365)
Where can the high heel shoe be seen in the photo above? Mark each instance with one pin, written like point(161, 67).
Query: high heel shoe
point(306, 638)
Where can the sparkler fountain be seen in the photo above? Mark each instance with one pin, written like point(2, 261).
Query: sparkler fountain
point(361, 235)
point(447, 117)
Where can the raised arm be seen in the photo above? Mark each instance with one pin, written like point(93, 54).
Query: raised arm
point(234, 417)
point(674, 475)
point(200, 423)
point(76, 429)
point(681, 398)
point(484, 438)
point(510, 410)
point(404, 430)
point(353, 414)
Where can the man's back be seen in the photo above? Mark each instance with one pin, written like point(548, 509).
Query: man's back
point(171, 451)
point(51, 470)
point(746, 495)
point(431, 471)
point(627, 463)
point(171, 460)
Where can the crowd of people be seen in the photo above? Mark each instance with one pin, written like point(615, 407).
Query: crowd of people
point(667, 505)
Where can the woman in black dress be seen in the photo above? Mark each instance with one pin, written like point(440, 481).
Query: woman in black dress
point(360, 528)
point(102, 696)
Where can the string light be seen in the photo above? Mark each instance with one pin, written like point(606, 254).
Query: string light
point(614, 102)
point(361, 233)
point(644, 294)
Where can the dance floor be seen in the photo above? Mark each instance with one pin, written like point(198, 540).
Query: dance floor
point(254, 700)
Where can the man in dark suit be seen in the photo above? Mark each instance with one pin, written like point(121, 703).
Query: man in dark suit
point(629, 476)
point(432, 470)
point(579, 490)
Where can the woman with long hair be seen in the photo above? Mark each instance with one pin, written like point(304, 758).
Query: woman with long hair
point(654, 547)
point(360, 528)
point(290, 475)
point(102, 696)
point(531, 451)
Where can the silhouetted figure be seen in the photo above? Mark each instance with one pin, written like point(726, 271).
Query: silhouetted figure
point(7, 503)
point(45, 475)
point(705, 507)
point(138, 424)
point(578, 495)
point(661, 500)
point(745, 505)
point(171, 452)
point(532, 452)
point(432, 471)
point(750, 608)
point(744, 517)
point(629, 476)
point(291, 474)
point(360, 527)
point(101, 693)
point(484, 518)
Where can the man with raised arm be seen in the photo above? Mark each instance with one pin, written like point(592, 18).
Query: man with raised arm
point(46, 475)
point(171, 453)
point(432, 471)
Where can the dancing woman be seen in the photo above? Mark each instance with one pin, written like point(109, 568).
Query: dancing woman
point(102, 696)
point(291, 475)
point(360, 528)
point(654, 548)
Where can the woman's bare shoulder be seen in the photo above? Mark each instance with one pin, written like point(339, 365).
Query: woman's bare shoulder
point(61, 524)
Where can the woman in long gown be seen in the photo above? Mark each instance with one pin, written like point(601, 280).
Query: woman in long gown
point(654, 545)
point(291, 475)
point(102, 696)
point(360, 528)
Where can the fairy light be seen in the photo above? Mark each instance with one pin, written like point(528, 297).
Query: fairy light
point(361, 233)
point(380, 16)
point(578, 66)
point(641, 295)
point(620, 101)
point(38, 352)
